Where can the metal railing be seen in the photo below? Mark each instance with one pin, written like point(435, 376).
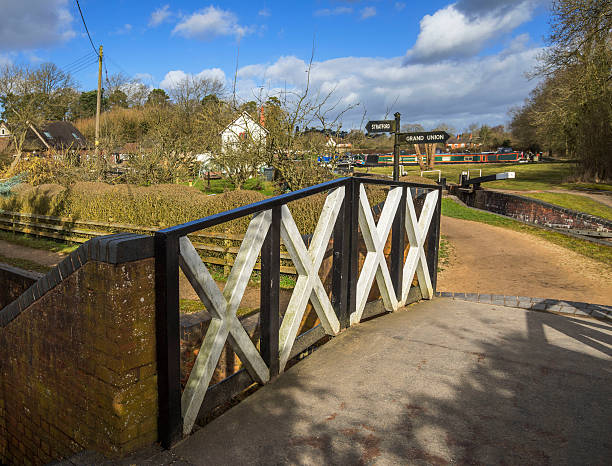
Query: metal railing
point(346, 215)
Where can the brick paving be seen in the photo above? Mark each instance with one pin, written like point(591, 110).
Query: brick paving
point(562, 307)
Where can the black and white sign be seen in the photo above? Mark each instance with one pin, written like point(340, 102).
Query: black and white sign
point(429, 137)
point(380, 126)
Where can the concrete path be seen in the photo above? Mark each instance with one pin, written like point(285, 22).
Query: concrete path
point(440, 382)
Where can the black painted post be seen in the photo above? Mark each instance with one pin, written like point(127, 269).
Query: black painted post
point(433, 242)
point(398, 245)
point(269, 303)
point(170, 421)
point(342, 258)
point(396, 148)
point(353, 226)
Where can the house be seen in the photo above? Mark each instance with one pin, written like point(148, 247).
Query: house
point(4, 131)
point(463, 141)
point(54, 135)
point(340, 147)
point(241, 128)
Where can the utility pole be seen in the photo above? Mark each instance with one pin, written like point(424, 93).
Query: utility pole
point(99, 102)
point(396, 148)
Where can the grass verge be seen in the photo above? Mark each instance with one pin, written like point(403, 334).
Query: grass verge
point(24, 264)
point(222, 185)
point(444, 253)
point(594, 251)
point(575, 202)
point(532, 176)
point(34, 242)
point(588, 186)
point(191, 306)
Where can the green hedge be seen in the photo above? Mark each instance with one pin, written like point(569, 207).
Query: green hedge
point(155, 206)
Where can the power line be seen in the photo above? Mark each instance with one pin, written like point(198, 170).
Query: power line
point(87, 30)
point(78, 66)
point(78, 61)
point(84, 67)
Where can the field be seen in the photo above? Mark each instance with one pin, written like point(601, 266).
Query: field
point(529, 177)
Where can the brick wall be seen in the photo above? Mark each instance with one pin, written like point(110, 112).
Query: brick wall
point(532, 210)
point(14, 282)
point(78, 360)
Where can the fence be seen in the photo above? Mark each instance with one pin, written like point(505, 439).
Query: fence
point(345, 218)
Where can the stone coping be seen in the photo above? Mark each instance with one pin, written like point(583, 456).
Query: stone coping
point(576, 213)
point(112, 249)
point(556, 306)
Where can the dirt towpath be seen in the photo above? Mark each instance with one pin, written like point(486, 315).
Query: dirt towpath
point(494, 260)
point(39, 256)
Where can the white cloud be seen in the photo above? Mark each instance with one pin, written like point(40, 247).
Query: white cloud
point(174, 77)
point(452, 33)
point(399, 6)
point(159, 16)
point(125, 29)
point(209, 23)
point(481, 90)
point(34, 24)
point(213, 74)
point(368, 12)
point(341, 10)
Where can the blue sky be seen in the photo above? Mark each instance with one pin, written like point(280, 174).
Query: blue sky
point(456, 62)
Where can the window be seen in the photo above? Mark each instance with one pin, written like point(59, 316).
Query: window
point(48, 134)
point(468, 158)
point(75, 136)
point(2, 131)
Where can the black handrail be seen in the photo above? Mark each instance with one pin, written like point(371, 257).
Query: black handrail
point(345, 268)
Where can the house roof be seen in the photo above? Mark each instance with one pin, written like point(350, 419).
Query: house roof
point(59, 135)
point(246, 116)
point(464, 139)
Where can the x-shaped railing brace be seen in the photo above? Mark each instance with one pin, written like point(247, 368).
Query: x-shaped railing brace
point(375, 265)
point(417, 233)
point(224, 324)
point(307, 263)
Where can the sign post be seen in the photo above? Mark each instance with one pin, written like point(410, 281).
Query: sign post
point(429, 137)
point(396, 148)
point(380, 126)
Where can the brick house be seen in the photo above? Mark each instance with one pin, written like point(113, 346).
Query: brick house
point(463, 142)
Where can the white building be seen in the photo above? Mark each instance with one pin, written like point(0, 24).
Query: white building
point(4, 131)
point(242, 128)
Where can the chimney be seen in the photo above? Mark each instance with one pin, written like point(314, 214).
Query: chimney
point(262, 117)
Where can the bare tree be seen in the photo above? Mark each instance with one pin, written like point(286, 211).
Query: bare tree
point(188, 92)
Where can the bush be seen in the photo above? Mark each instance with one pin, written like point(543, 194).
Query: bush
point(157, 206)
